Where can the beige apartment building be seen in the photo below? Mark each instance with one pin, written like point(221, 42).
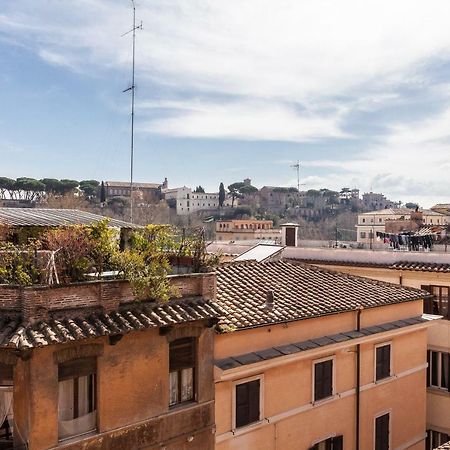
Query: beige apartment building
point(245, 230)
point(428, 271)
point(309, 358)
point(370, 223)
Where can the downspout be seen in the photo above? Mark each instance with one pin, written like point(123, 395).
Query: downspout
point(358, 378)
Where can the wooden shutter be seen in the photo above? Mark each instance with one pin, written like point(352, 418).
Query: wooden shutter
point(429, 367)
point(247, 403)
point(338, 443)
point(382, 432)
point(182, 354)
point(6, 374)
point(383, 362)
point(323, 379)
point(427, 303)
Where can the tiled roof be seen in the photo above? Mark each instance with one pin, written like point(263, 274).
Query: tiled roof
point(47, 217)
point(421, 266)
point(289, 349)
point(15, 334)
point(301, 291)
point(401, 265)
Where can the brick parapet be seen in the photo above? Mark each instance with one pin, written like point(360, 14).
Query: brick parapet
point(36, 302)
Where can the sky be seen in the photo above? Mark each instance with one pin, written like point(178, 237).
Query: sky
point(357, 91)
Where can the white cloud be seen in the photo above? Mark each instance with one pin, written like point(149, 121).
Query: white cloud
point(253, 50)
point(248, 121)
point(411, 162)
point(288, 70)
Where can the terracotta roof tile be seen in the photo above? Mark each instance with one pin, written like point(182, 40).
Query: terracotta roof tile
point(301, 291)
point(14, 334)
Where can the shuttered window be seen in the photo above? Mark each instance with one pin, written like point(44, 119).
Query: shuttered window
point(182, 371)
point(248, 403)
point(323, 379)
point(382, 432)
point(383, 362)
point(334, 443)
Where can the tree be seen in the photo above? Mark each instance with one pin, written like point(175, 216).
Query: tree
point(248, 189)
point(6, 184)
point(199, 189)
point(68, 186)
point(102, 193)
point(411, 205)
point(89, 188)
point(234, 191)
point(73, 248)
point(52, 185)
point(221, 195)
point(29, 188)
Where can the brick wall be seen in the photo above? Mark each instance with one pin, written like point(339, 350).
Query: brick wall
point(37, 301)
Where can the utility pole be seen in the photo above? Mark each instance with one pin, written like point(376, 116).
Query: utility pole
point(132, 88)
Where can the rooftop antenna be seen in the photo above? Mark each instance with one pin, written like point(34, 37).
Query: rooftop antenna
point(132, 88)
point(297, 168)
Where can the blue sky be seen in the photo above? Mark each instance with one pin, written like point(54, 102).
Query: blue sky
point(359, 92)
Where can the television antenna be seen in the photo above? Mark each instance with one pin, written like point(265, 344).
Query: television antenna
point(132, 89)
point(296, 166)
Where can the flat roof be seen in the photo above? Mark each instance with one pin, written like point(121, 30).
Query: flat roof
point(48, 217)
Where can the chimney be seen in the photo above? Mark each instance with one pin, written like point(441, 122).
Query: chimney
point(270, 299)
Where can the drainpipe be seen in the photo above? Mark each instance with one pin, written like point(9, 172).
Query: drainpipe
point(358, 377)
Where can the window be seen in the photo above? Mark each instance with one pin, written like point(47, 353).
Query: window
point(77, 397)
point(382, 361)
point(6, 405)
point(182, 371)
point(362, 235)
point(382, 432)
point(435, 439)
point(333, 443)
point(247, 402)
point(323, 379)
point(438, 369)
point(438, 305)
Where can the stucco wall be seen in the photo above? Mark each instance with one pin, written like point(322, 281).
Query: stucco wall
point(292, 421)
point(132, 396)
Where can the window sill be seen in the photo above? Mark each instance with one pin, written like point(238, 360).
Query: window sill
point(439, 391)
point(325, 400)
point(77, 437)
point(183, 405)
point(385, 380)
point(246, 428)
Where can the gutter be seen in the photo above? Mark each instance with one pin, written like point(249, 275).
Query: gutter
point(358, 379)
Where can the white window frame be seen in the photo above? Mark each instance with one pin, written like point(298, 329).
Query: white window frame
point(391, 361)
point(328, 436)
point(333, 379)
point(259, 377)
point(387, 411)
point(439, 371)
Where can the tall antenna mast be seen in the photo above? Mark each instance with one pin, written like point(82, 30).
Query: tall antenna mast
point(297, 168)
point(132, 88)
